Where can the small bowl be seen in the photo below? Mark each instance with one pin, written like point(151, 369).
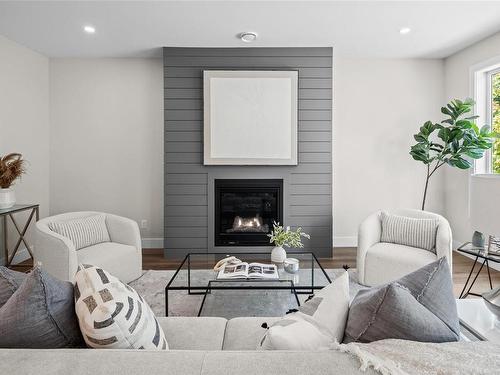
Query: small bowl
point(291, 265)
point(492, 301)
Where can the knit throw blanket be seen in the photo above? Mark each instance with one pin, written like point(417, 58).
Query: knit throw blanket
point(400, 357)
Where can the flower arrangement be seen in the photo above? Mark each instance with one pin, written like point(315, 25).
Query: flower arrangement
point(286, 237)
point(12, 166)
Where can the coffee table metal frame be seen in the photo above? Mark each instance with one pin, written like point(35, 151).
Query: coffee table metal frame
point(225, 284)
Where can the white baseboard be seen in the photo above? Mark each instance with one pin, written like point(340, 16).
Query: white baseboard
point(152, 243)
point(345, 241)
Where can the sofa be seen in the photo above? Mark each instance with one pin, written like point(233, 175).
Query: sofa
point(122, 256)
point(381, 262)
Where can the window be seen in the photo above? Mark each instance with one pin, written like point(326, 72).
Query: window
point(486, 80)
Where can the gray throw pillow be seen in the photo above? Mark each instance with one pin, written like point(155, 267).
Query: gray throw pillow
point(419, 307)
point(10, 281)
point(40, 315)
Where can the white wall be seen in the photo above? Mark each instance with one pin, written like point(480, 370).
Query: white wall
point(24, 120)
point(107, 138)
point(378, 105)
point(458, 86)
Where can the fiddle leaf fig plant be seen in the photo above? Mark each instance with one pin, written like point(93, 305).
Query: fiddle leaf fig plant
point(454, 141)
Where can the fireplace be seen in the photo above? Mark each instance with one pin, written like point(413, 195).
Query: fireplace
point(245, 210)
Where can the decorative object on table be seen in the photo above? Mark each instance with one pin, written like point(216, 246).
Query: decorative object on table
point(477, 239)
point(492, 301)
point(281, 237)
point(458, 140)
point(419, 307)
point(12, 166)
point(21, 231)
point(112, 315)
point(291, 265)
point(228, 260)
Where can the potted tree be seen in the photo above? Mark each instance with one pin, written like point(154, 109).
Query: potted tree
point(11, 168)
point(454, 141)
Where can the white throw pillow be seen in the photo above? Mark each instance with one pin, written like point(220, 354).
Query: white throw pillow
point(409, 231)
point(113, 315)
point(83, 232)
point(317, 325)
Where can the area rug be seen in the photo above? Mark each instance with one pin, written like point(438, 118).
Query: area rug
point(223, 303)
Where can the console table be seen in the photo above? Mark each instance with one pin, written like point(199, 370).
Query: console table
point(7, 213)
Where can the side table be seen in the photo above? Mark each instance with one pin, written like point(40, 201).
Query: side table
point(8, 213)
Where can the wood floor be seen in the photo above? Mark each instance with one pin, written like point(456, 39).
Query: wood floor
point(153, 259)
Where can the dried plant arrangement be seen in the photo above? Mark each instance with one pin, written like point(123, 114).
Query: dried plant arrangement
point(12, 166)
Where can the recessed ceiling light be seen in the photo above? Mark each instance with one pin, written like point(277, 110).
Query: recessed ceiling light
point(248, 36)
point(89, 29)
point(404, 30)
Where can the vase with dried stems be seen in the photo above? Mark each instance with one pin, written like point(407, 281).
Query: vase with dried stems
point(12, 166)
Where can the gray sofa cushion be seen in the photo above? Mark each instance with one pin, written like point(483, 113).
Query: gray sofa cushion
point(10, 281)
point(420, 307)
point(246, 333)
point(40, 314)
point(184, 333)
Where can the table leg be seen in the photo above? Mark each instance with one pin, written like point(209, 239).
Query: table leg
point(166, 301)
point(207, 291)
point(468, 277)
point(489, 275)
point(475, 278)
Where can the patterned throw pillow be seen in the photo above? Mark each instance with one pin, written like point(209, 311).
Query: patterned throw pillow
point(317, 325)
point(10, 281)
point(112, 314)
point(83, 232)
point(418, 307)
point(409, 231)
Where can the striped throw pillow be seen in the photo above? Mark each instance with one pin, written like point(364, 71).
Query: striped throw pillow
point(112, 315)
point(83, 232)
point(409, 231)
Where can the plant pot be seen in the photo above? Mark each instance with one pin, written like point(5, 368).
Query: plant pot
point(7, 198)
point(278, 254)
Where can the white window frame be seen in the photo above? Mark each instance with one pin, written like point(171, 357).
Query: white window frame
point(480, 85)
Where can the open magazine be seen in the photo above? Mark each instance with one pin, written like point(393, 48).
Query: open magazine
point(248, 271)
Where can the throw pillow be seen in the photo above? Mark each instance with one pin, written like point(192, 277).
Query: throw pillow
point(318, 323)
point(112, 314)
point(40, 315)
point(409, 231)
point(10, 281)
point(419, 307)
point(83, 232)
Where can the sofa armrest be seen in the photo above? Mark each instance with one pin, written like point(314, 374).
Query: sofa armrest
point(56, 253)
point(125, 231)
point(369, 233)
point(444, 242)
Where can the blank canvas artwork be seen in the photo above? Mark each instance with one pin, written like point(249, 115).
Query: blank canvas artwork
point(250, 117)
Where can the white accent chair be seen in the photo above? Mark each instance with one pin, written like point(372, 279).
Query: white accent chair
point(122, 257)
point(380, 262)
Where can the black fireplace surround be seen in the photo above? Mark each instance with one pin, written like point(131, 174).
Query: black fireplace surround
point(245, 210)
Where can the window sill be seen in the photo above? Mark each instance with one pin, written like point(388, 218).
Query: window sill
point(493, 176)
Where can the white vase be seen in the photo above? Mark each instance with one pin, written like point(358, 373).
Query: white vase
point(278, 254)
point(7, 198)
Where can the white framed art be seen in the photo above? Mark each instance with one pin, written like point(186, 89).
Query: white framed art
point(250, 117)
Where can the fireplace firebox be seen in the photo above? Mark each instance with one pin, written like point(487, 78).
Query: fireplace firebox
point(245, 210)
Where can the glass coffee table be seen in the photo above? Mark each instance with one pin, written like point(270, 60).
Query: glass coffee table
point(195, 276)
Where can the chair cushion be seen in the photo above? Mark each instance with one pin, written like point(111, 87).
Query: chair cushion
point(83, 232)
point(419, 307)
point(194, 333)
point(112, 314)
point(409, 231)
point(10, 281)
point(317, 325)
point(121, 261)
point(245, 333)
point(387, 262)
point(40, 315)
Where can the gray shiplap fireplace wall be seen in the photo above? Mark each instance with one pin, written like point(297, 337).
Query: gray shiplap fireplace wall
point(189, 185)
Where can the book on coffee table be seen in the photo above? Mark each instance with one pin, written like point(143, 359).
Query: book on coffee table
point(248, 271)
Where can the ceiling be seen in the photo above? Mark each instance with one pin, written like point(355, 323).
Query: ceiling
point(354, 28)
